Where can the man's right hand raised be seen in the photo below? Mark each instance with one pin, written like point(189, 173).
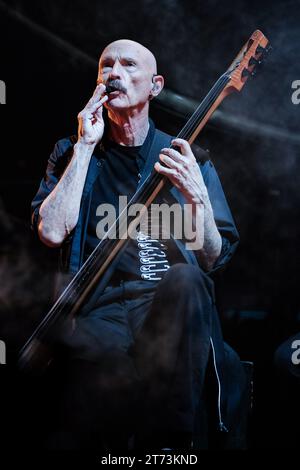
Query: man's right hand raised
point(90, 119)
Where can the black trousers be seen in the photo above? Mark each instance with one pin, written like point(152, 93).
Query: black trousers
point(138, 360)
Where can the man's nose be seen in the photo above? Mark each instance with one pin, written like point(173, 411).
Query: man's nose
point(116, 71)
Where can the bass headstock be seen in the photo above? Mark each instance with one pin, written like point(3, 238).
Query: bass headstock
point(246, 63)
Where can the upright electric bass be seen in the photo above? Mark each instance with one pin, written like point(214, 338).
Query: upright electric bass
point(36, 352)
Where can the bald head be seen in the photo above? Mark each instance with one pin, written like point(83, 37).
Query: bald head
point(130, 68)
point(128, 47)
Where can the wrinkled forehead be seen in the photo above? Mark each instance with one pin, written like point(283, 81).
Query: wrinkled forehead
point(129, 50)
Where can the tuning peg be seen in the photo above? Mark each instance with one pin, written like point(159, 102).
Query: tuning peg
point(247, 73)
point(259, 50)
point(263, 50)
point(254, 61)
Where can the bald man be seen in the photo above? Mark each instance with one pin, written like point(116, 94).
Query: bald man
point(132, 67)
point(145, 338)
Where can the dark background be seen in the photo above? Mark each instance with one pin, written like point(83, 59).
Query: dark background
point(49, 54)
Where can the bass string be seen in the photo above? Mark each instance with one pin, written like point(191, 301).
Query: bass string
point(202, 109)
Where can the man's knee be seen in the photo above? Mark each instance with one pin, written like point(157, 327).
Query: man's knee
point(183, 273)
point(188, 291)
point(184, 279)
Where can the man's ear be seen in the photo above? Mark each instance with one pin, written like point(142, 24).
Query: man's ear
point(158, 84)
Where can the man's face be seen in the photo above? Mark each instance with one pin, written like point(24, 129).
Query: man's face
point(132, 67)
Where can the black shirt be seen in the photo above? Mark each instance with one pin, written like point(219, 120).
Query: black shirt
point(145, 258)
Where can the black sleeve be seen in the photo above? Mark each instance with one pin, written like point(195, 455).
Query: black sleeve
point(222, 214)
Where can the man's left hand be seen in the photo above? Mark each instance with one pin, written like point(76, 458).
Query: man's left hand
point(183, 171)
